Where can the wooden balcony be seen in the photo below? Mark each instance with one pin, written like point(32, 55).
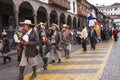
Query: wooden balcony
point(64, 4)
point(82, 12)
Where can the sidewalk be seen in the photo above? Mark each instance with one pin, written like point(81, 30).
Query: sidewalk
point(12, 52)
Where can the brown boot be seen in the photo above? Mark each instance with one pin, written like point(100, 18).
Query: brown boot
point(68, 54)
point(34, 72)
point(21, 68)
point(4, 60)
point(59, 61)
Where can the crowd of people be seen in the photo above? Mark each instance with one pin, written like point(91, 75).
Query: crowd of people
point(48, 42)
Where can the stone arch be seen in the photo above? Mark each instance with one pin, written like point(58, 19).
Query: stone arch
point(7, 16)
point(79, 22)
point(74, 23)
point(69, 21)
point(26, 11)
point(53, 17)
point(62, 19)
point(42, 15)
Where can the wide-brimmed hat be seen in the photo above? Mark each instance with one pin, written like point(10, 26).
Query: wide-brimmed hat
point(65, 26)
point(4, 32)
point(53, 24)
point(41, 24)
point(28, 22)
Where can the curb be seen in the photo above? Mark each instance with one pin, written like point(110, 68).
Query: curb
point(11, 53)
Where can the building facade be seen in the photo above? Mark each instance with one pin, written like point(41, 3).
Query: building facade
point(112, 11)
point(71, 12)
point(49, 11)
point(82, 12)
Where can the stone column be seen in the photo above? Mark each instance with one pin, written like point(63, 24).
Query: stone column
point(59, 23)
point(72, 23)
point(16, 18)
point(77, 23)
point(35, 18)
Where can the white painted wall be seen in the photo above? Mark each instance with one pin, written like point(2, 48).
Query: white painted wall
point(71, 6)
point(117, 21)
point(45, 1)
point(111, 11)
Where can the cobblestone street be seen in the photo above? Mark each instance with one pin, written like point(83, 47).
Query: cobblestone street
point(112, 68)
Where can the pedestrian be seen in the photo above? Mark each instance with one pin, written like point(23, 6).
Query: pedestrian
point(6, 48)
point(29, 42)
point(55, 43)
point(67, 40)
point(93, 38)
point(78, 37)
point(17, 36)
point(43, 43)
point(115, 34)
point(110, 33)
point(84, 35)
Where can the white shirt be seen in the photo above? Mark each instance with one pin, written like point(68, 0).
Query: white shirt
point(16, 38)
point(84, 33)
point(26, 36)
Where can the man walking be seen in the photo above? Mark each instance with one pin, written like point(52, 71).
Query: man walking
point(29, 52)
point(93, 37)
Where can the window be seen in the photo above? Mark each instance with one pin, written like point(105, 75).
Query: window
point(116, 8)
point(73, 6)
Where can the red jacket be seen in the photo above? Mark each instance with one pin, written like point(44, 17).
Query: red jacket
point(115, 31)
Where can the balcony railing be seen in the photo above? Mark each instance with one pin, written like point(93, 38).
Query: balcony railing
point(82, 12)
point(65, 4)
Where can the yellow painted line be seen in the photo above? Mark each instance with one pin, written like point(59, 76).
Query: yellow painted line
point(83, 59)
point(97, 51)
point(65, 77)
point(89, 50)
point(63, 67)
point(87, 77)
point(67, 67)
point(89, 54)
point(55, 77)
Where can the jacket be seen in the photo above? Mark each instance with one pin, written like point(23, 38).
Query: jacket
point(31, 50)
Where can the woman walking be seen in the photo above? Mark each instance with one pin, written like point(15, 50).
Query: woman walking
point(6, 48)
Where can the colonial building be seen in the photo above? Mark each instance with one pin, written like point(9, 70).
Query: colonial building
point(49, 11)
point(72, 12)
point(101, 18)
point(112, 11)
point(82, 12)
